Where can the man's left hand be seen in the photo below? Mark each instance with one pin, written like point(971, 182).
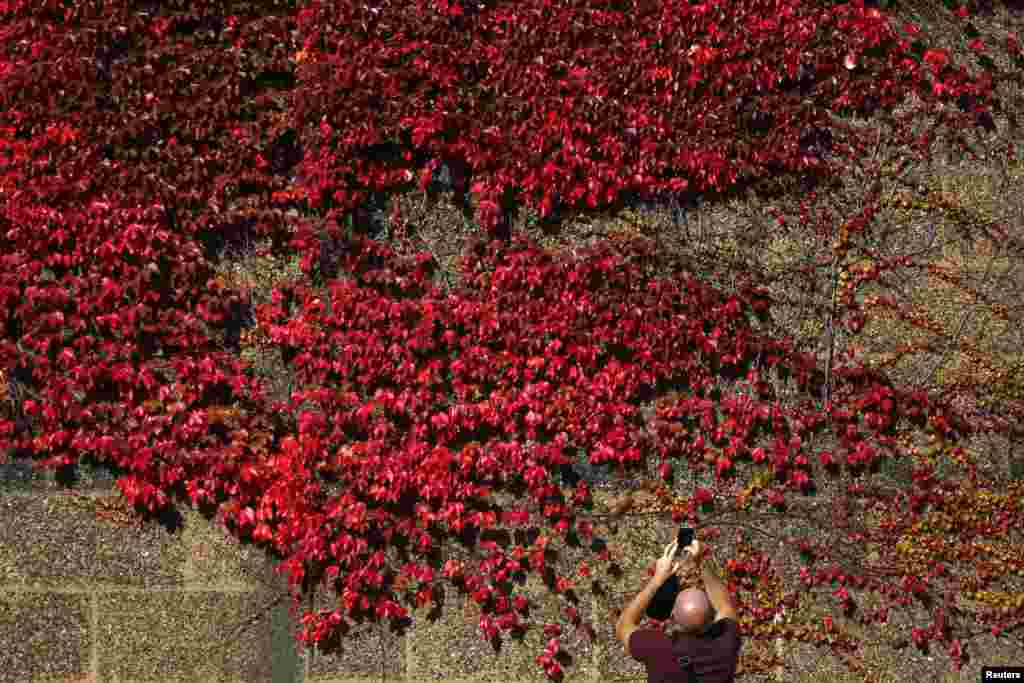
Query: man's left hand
point(665, 567)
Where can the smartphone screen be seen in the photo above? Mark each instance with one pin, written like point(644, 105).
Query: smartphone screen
point(685, 538)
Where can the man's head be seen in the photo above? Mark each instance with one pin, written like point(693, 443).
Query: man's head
point(693, 611)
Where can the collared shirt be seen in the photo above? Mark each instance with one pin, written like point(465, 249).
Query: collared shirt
point(713, 655)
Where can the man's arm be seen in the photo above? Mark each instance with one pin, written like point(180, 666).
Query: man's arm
point(632, 615)
point(718, 594)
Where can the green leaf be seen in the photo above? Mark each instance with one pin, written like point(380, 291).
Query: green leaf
point(1017, 470)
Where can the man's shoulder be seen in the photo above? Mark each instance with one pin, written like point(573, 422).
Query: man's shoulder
point(728, 627)
point(727, 623)
point(646, 633)
point(725, 637)
point(647, 637)
point(722, 627)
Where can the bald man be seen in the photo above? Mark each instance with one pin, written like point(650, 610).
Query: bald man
point(693, 611)
point(706, 631)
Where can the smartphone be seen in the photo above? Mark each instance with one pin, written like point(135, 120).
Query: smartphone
point(684, 539)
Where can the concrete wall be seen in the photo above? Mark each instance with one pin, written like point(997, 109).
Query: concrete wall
point(87, 596)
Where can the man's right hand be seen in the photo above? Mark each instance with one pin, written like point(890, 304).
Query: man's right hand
point(692, 553)
point(718, 594)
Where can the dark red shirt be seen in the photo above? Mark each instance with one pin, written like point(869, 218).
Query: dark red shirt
point(713, 655)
